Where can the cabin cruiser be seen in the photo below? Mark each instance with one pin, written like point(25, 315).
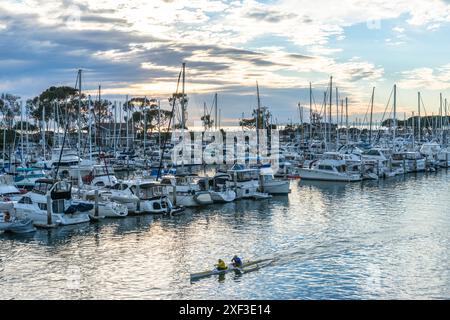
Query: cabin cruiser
point(270, 185)
point(34, 204)
point(245, 182)
point(142, 197)
point(430, 151)
point(444, 158)
point(101, 176)
point(69, 164)
point(408, 161)
point(189, 193)
point(105, 207)
point(378, 158)
point(11, 222)
point(332, 167)
point(9, 192)
point(25, 178)
point(218, 189)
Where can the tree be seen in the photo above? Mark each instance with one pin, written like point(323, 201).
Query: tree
point(207, 121)
point(263, 119)
point(150, 116)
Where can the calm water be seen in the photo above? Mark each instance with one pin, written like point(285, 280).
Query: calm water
point(387, 239)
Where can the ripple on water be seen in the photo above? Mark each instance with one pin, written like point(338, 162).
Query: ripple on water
point(377, 239)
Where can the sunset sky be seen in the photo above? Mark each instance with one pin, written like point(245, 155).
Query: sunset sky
point(137, 47)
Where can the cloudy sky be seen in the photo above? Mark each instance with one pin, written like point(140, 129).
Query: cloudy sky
point(137, 47)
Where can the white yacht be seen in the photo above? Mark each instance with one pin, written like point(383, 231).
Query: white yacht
point(70, 165)
point(189, 192)
point(332, 167)
point(444, 158)
point(409, 161)
point(245, 182)
point(270, 185)
point(34, 204)
point(101, 176)
point(218, 190)
point(142, 197)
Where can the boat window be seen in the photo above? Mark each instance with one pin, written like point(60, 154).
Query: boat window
point(156, 206)
point(373, 153)
point(116, 186)
point(325, 167)
point(58, 206)
point(42, 206)
point(25, 200)
point(341, 168)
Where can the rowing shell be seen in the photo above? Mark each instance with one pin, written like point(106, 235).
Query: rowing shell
point(246, 267)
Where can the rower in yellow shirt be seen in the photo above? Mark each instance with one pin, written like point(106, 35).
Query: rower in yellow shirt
point(221, 265)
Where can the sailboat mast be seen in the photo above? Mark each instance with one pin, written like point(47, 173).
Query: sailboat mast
point(346, 117)
point(90, 127)
point(337, 117)
point(420, 120)
point(79, 112)
point(183, 111)
point(329, 111)
point(257, 123)
point(310, 111)
point(371, 115)
point(395, 112)
point(215, 111)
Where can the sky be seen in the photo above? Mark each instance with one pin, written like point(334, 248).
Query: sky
point(137, 48)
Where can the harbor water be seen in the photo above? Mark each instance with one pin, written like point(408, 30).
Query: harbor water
point(371, 240)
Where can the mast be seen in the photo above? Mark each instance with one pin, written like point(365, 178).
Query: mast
point(371, 115)
point(413, 128)
point(346, 117)
point(115, 127)
point(43, 127)
point(90, 127)
point(257, 123)
point(27, 130)
point(159, 123)
point(183, 107)
point(325, 116)
point(128, 120)
point(145, 126)
point(420, 120)
point(300, 111)
point(395, 112)
point(331, 101)
point(21, 132)
point(204, 116)
point(337, 117)
point(440, 117)
point(215, 111)
point(310, 111)
point(79, 112)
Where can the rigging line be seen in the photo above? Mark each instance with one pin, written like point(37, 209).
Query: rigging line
point(365, 116)
point(382, 118)
point(168, 126)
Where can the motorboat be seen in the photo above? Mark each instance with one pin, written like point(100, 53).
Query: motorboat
point(57, 194)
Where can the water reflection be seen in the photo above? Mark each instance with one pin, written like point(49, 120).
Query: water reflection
point(374, 239)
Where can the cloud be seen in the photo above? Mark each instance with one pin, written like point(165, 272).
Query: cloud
point(431, 79)
point(137, 47)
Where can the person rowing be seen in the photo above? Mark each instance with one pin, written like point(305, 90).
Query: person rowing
point(237, 262)
point(221, 265)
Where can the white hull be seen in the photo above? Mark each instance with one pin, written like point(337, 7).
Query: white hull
point(322, 175)
point(276, 187)
point(223, 196)
point(107, 209)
